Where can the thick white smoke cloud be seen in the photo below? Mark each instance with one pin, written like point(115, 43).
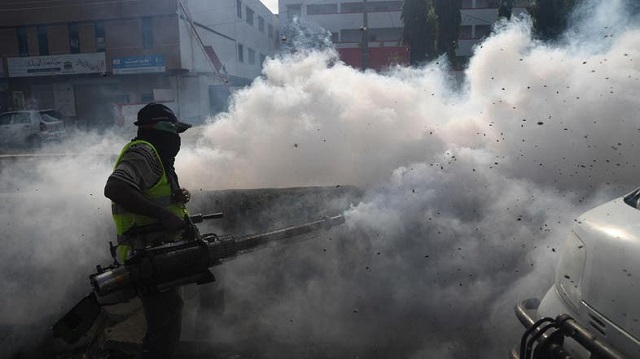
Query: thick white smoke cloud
point(539, 109)
point(56, 227)
point(53, 211)
point(471, 187)
point(311, 121)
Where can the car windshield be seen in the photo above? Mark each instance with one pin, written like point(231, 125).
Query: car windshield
point(5, 119)
point(21, 118)
point(47, 118)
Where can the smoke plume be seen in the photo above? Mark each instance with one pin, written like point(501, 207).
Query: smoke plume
point(471, 186)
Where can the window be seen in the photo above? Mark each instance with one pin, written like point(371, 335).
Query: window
point(466, 32)
point(147, 32)
point(390, 34)
point(351, 35)
point(101, 44)
point(251, 54)
point(43, 40)
point(481, 4)
point(352, 7)
point(322, 9)
point(294, 11)
point(239, 8)
point(263, 58)
point(467, 4)
point(261, 23)
point(335, 37)
point(240, 53)
point(270, 31)
point(372, 6)
point(5, 119)
point(249, 16)
point(23, 47)
point(21, 118)
point(384, 6)
point(482, 31)
point(74, 38)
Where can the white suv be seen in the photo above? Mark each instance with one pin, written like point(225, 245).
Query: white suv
point(593, 308)
point(31, 128)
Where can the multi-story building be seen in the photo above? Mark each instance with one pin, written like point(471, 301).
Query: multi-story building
point(94, 59)
point(478, 17)
point(365, 33)
point(346, 20)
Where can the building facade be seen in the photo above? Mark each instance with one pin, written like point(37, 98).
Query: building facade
point(365, 34)
point(478, 17)
point(99, 61)
point(347, 19)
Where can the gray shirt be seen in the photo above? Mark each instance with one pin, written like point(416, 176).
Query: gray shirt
point(139, 167)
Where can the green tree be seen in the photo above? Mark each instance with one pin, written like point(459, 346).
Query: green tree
point(420, 30)
point(431, 28)
point(550, 17)
point(505, 9)
point(449, 19)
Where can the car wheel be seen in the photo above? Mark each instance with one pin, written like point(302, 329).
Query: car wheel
point(35, 141)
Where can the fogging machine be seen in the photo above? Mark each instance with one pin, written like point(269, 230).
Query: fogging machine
point(170, 265)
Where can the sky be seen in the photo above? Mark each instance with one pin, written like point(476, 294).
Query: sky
point(271, 5)
point(469, 189)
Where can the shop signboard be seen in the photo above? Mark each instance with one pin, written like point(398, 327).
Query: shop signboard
point(138, 64)
point(68, 64)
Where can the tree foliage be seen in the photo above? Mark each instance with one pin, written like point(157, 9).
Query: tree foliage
point(420, 29)
point(431, 28)
point(551, 17)
point(449, 18)
point(505, 9)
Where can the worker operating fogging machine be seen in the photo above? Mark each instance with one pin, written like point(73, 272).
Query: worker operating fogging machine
point(159, 247)
point(171, 265)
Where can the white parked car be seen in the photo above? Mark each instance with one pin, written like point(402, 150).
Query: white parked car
point(593, 308)
point(31, 128)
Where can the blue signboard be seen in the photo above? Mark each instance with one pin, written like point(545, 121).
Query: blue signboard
point(138, 64)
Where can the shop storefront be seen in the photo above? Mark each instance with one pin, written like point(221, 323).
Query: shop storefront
point(87, 90)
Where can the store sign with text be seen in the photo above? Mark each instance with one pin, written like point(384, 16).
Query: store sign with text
point(138, 64)
point(68, 64)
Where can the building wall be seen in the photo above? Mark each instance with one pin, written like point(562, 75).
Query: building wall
point(121, 21)
point(79, 31)
point(478, 18)
point(344, 19)
point(17, 13)
point(150, 50)
point(243, 33)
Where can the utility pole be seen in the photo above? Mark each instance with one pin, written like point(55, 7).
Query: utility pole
point(365, 36)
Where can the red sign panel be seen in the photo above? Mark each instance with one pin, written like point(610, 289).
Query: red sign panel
point(378, 57)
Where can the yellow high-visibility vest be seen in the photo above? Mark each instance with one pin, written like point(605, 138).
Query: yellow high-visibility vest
point(160, 193)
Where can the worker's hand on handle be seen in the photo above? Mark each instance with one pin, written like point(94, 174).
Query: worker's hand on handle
point(181, 195)
point(171, 222)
